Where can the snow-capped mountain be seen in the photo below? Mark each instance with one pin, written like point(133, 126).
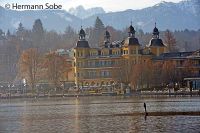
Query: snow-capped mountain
point(192, 6)
point(81, 12)
point(51, 19)
point(168, 15)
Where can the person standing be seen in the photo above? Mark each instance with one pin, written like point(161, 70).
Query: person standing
point(145, 108)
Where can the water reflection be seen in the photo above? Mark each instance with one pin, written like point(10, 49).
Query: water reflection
point(77, 129)
point(97, 114)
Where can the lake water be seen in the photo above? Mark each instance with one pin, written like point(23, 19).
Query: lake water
point(97, 115)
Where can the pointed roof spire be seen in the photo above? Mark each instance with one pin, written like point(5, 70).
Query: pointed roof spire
point(82, 34)
point(155, 30)
point(131, 31)
point(82, 42)
point(107, 34)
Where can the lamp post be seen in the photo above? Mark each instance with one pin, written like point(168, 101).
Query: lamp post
point(63, 87)
point(24, 86)
point(9, 90)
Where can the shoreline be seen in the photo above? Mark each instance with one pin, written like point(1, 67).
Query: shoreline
point(168, 113)
point(196, 94)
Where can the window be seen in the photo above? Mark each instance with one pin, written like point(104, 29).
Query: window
point(133, 51)
point(92, 53)
point(92, 74)
point(105, 63)
point(99, 52)
point(102, 63)
point(181, 62)
point(112, 62)
point(125, 52)
point(80, 64)
point(107, 74)
point(92, 63)
point(104, 73)
point(78, 74)
point(110, 52)
point(109, 63)
point(81, 74)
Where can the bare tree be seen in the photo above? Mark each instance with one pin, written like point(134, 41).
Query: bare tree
point(57, 68)
point(170, 73)
point(29, 65)
point(170, 41)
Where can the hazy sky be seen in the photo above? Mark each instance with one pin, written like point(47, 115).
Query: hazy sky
point(108, 5)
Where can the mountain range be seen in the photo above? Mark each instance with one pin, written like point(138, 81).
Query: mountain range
point(168, 15)
point(83, 13)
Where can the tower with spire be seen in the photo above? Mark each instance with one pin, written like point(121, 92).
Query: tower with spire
point(155, 32)
point(107, 39)
point(82, 34)
point(131, 32)
point(131, 47)
point(82, 42)
point(81, 52)
point(156, 44)
point(131, 40)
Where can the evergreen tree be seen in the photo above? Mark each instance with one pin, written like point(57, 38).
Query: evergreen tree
point(69, 32)
point(38, 34)
point(8, 34)
point(37, 27)
point(96, 35)
point(98, 24)
point(20, 31)
point(2, 34)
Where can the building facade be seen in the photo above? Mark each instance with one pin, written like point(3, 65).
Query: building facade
point(111, 64)
point(186, 65)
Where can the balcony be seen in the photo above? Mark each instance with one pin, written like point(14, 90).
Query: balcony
point(104, 56)
point(99, 66)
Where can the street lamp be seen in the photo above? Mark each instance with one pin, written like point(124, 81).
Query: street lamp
point(9, 89)
point(62, 85)
point(24, 85)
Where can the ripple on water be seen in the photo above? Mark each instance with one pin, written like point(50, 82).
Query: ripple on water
point(95, 114)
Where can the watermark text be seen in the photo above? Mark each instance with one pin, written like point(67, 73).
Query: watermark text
point(46, 6)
